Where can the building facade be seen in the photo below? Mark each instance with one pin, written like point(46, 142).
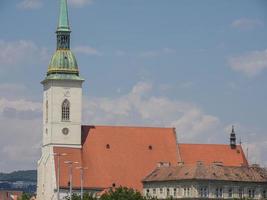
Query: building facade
point(207, 181)
point(96, 158)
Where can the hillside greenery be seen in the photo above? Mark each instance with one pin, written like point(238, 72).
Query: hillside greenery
point(28, 175)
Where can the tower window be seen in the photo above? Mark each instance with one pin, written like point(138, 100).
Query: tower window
point(65, 110)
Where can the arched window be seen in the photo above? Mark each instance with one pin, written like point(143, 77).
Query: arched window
point(65, 116)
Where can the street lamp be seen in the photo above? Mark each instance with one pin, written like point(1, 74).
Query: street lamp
point(81, 174)
point(58, 155)
point(70, 164)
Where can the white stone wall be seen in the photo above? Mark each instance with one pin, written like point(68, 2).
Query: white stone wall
point(46, 175)
point(191, 189)
point(55, 92)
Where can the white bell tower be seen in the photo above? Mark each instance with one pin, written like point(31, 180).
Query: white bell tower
point(62, 91)
point(62, 107)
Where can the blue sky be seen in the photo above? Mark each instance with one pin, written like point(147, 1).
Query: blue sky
point(199, 66)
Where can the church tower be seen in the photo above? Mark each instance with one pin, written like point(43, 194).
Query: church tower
point(62, 100)
point(62, 107)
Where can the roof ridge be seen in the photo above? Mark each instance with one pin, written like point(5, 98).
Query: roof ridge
point(129, 126)
point(207, 144)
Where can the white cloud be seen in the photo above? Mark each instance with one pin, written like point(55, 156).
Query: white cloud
point(30, 4)
point(80, 3)
point(17, 52)
point(247, 23)
point(21, 132)
point(251, 64)
point(87, 50)
point(156, 53)
point(140, 108)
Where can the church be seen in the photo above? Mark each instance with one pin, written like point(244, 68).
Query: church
point(96, 158)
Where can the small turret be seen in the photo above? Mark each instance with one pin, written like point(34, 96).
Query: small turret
point(233, 138)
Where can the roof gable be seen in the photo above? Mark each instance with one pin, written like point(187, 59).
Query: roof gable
point(122, 155)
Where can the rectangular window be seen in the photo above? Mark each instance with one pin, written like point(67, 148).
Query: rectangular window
point(147, 192)
point(230, 193)
point(264, 195)
point(160, 190)
point(154, 191)
point(187, 192)
point(251, 193)
point(168, 192)
point(175, 192)
point(241, 192)
point(204, 192)
point(219, 192)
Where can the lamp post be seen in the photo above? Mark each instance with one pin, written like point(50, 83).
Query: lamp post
point(81, 174)
point(70, 164)
point(58, 155)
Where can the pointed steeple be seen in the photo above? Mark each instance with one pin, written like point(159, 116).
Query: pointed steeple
point(63, 23)
point(63, 64)
point(233, 138)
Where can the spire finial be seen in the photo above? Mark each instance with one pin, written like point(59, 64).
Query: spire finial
point(63, 23)
point(233, 129)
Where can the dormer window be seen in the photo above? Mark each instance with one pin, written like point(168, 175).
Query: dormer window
point(65, 116)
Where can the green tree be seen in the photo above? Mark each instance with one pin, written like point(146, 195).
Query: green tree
point(25, 197)
point(122, 193)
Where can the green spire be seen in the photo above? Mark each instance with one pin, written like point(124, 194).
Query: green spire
point(63, 64)
point(63, 23)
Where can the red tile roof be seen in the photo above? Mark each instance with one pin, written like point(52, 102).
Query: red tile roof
point(119, 155)
point(209, 153)
point(125, 155)
point(208, 172)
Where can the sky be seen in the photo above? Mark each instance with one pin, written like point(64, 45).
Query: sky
point(198, 66)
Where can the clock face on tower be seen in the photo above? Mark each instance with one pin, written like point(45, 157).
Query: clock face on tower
point(65, 131)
